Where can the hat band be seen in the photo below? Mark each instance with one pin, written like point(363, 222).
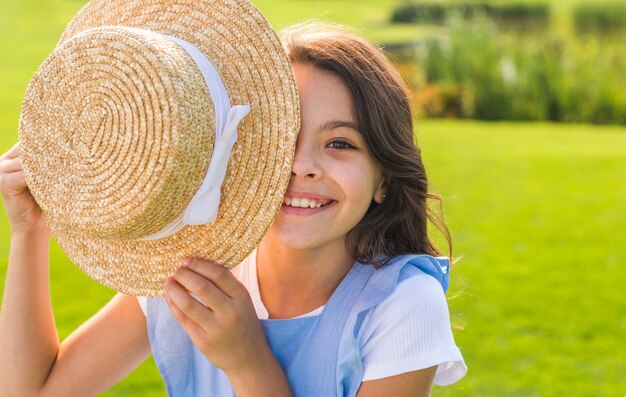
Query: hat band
point(205, 204)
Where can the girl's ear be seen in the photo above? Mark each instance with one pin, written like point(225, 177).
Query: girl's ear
point(380, 193)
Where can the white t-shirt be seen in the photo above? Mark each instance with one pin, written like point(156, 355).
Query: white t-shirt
point(408, 331)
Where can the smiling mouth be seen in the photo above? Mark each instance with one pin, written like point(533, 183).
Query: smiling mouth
point(305, 203)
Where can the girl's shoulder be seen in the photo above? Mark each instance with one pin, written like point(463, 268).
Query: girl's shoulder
point(415, 284)
point(414, 300)
point(424, 270)
point(407, 266)
point(406, 326)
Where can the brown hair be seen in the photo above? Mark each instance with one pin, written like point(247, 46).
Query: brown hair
point(399, 224)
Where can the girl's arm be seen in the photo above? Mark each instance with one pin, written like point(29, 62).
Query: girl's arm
point(409, 384)
point(32, 360)
point(410, 329)
point(101, 352)
point(92, 359)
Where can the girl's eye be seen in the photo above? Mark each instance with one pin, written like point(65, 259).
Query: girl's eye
point(340, 144)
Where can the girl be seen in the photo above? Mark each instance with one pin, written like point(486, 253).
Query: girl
point(343, 296)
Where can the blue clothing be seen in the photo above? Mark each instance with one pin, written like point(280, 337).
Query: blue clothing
point(319, 354)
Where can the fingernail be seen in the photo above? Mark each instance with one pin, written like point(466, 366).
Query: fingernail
point(186, 261)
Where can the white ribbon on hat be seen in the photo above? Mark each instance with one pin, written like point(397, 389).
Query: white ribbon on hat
point(205, 204)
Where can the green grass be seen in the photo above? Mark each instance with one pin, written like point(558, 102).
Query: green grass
point(537, 214)
point(536, 211)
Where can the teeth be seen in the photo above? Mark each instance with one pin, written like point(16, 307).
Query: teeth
point(302, 202)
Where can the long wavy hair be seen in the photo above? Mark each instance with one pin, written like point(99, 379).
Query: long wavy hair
point(399, 224)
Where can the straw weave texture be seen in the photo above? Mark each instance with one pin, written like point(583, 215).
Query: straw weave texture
point(117, 129)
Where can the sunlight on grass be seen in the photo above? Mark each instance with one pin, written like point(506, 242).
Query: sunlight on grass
point(535, 210)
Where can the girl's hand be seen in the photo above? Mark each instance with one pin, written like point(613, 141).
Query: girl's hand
point(222, 323)
point(23, 212)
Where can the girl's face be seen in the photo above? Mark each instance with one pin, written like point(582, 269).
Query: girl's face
point(334, 176)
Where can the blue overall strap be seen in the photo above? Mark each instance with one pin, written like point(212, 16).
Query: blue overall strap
point(172, 349)
point(380, 285)
point(437, 267)
point(384, 280)
point(320, 354)
point(310, 365)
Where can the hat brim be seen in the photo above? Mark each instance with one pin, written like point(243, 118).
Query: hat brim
point(256, 71)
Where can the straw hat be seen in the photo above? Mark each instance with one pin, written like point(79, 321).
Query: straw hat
point(118, 128)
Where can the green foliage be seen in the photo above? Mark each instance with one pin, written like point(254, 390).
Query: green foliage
point(600, 17)
point(534, 77)
point(523, 15)
point(409, 12)
point(506, 14)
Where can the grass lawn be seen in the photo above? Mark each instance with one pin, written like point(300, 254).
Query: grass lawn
point(536, 212)
point(537, 215)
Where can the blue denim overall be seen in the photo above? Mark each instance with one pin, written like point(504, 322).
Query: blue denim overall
point(319, 354)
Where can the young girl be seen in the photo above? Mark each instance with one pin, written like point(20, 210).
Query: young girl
point(343, 296)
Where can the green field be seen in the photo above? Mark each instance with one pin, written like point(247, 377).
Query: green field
point(537, 213)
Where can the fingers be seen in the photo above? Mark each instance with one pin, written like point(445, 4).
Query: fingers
point(12, 153)
point(218, 275)
point(12, 180)
point(12, 183)
point(9, 165)
point(186, 305)
point(202, 287)
point(211, 289)
point(11, 175)
point(193, 329)
point(226, 330)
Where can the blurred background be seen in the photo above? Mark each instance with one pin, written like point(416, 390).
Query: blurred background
point(521, 117)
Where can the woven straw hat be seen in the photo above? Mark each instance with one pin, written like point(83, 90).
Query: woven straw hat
point(118, 128)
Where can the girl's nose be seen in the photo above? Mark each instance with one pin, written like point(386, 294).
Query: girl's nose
point(305, 163)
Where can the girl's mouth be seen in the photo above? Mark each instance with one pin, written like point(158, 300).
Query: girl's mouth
point(305, 202)
point(305, 206)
